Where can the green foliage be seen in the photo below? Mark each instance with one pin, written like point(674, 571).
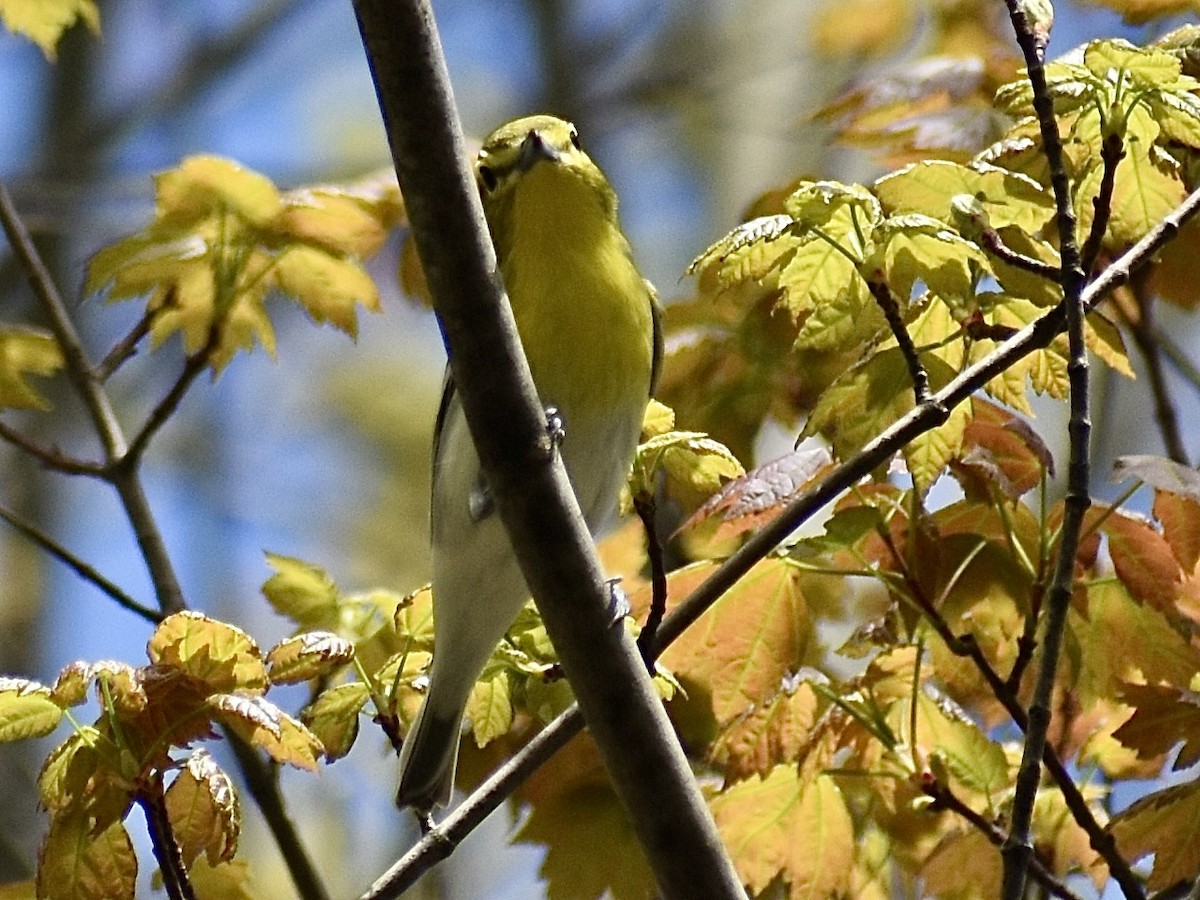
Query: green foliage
point(224, 237)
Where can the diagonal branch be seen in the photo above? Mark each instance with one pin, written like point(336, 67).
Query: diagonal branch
point(77, 565)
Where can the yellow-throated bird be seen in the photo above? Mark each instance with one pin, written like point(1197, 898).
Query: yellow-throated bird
point(589, 327)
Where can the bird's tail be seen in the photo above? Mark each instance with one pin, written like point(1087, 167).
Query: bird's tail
point(428, 758)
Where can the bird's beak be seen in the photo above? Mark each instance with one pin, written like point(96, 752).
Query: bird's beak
point(534, 149)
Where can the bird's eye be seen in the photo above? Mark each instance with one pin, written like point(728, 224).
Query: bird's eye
point(487, 178)
point(575, 140)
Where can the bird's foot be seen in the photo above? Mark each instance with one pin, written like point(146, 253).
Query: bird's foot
point(618, 601)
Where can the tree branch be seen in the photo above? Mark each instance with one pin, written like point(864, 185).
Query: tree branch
point(151, 799)
point(77, 565)
point(650, 773)
point(1018, 848)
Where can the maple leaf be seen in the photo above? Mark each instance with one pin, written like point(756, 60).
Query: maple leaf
point(1167, 824)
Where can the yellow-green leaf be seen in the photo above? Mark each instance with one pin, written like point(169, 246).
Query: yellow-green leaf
point(336, 219)
point(202, 186)
point(929, 187)
point(302, 592)
point(27, 710)
point(490, 706)
point(77, 864)
point(221, 655)
point(784, 826)
point(24, 352)
point(333, 717)
point(327, 286)
point(44, 21)
point(203, 808)
point(306, 656)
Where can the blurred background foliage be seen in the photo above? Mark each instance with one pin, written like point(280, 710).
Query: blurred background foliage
point(694, 107)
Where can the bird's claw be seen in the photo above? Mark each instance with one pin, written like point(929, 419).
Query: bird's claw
point(556, 427)
point(618, 601)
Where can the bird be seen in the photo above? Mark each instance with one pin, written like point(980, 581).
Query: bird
point(589, 325)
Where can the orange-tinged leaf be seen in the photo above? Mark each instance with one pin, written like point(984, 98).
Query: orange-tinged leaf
point(784, 826)
point(269, 728)
point(1180, 518)
point(44, 21)
point(1143, 560)
point(1062, 842)
point(573, 811)
point(742, 648)
point(217, 653)
point(771, 734)
point(25, 352)
point(122, 684)
point(963, 866)
point(1163, 716)
point(203, 808)
point(306, 656)
point(1122, 641)
point(1167, 824)
point(333, 717)
point(27, 710)
point(76, 864)
point(1001, 448)
point(227, 881)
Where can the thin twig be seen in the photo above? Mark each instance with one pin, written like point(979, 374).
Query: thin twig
point(1018, 848)
point(645, 508)
point(1111, 153)
point(52, 457)
point(891, 311)
point(944, 798)
point(441, 840)
point(78, 368)
point(125, 348)
point(166, 407)
point(77, 565)
point(151, 799)
point(124, 479)
point(991, 241)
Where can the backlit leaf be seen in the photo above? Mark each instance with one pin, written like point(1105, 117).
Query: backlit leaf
point(1163, 716)
point(329, 287)
point(203, 808)
point(783, 826)
point(44, 21)
point(202, 186)
point(333, 717)
point(217, 653)
point(77, 864)
point(27, 710)
point(25, 352)
point(490, 706)
point(1167, 824)
point(1180, 518)
point(929, 187)
point(306, 656)
point(740, 650)
point(769, 735)
point(302, 592)
point(266, 726)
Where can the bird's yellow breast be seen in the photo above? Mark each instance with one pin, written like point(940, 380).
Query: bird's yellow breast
point(580, 304)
